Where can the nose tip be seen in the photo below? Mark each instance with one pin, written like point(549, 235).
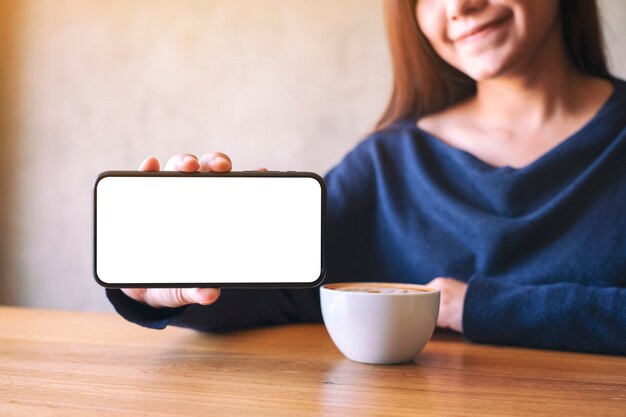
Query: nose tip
point(457, 8)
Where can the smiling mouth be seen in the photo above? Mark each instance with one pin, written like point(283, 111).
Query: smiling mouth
point(481, 30)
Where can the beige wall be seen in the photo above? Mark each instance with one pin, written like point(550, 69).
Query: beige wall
point(100, 84)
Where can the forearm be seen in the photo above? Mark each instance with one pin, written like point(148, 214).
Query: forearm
point(560, 316)
point(235, 309)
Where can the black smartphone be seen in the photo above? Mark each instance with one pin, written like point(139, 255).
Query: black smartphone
point(235, 229)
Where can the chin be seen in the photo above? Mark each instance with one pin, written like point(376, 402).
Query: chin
point(482, 74)
point(485, 69)
point(488, 65)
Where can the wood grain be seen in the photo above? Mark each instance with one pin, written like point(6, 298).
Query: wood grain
point(88, 364)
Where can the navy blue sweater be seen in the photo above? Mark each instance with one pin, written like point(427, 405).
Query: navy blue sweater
point(542, 248)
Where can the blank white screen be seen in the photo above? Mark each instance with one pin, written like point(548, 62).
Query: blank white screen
point(162, 230)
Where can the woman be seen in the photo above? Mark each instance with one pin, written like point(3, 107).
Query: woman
point(498, 169)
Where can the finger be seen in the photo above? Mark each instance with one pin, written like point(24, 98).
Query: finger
point(433, 284)
point(437, 283)
point(215, 162)
point(150, 164)
point(183, 162)
point(177, 297)
point(262, 169)
point(136, 294)
point(173, 297)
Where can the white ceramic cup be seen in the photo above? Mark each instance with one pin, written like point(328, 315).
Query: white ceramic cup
point(390, 326)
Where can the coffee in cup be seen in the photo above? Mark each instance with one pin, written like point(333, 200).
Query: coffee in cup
point(374, 288)
point(379, 323)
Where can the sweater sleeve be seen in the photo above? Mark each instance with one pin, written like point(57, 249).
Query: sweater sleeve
point(347, 193)
point(561, 316)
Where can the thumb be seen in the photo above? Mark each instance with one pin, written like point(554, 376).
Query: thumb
point(175, 297)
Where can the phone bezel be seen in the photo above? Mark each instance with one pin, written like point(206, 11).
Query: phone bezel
point(268, 174)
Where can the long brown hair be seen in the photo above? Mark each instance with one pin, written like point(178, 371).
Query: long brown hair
point(424, 83)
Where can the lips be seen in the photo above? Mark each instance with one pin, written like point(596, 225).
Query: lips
point(473, 31)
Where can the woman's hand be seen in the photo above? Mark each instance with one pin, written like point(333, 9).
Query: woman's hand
point(451, 304)
point(173, 297)
point(176, 297)
point(184, 162)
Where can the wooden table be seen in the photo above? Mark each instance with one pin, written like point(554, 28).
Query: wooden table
point(88, 364)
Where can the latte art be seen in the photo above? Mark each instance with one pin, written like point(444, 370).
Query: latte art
point(379, 288)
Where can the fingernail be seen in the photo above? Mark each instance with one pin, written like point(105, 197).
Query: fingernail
point(184, 160)
point(219, 159)
point(205, 295)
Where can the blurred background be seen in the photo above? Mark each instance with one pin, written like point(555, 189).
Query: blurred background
point(92, 85)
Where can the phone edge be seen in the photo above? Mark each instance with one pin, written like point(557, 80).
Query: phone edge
point(297, 174)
